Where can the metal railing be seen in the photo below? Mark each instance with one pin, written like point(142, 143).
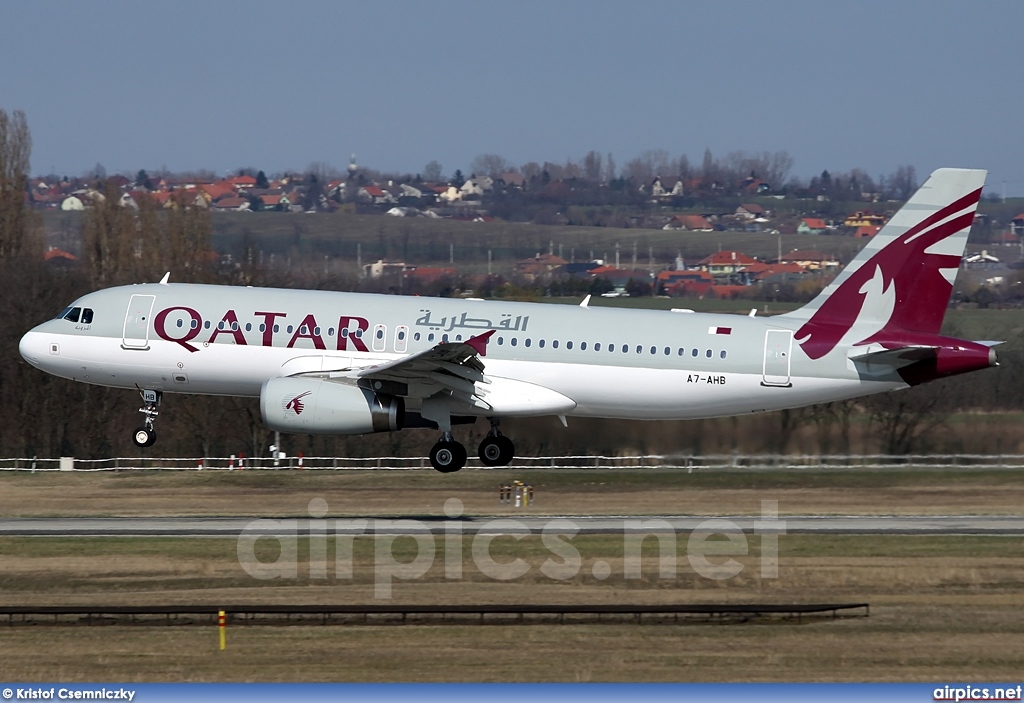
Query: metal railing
point(396, 614)
point(686, 462)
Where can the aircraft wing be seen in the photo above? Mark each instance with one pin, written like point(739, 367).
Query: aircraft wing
point(456, 369)
point(451, 366)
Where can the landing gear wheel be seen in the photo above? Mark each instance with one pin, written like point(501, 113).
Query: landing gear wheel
point(496, 451)
point(144, 437)
point(447, 457)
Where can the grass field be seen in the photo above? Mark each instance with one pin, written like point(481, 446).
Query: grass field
point(561, 492)
point(940, 608)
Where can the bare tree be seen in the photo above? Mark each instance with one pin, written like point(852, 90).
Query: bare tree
point(432, 172)
point(109, 237)
point(609, 168)
point(709, 171)
point(571, 170)
point(531, 170)
point(902, 183)
point(491, 165)
point(826, 418)
point(777, 167)
point(904, 417)
point(682, 168)
point(592, 167)
point(649, 164)
point(19, 228)
point(773, 168)
point(788, 422)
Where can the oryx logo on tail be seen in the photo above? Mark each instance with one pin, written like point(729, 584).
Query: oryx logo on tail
point(903, 283)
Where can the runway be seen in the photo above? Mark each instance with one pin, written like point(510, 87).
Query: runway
point(232, 527)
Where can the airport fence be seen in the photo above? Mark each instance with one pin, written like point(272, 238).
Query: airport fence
point(683, 462)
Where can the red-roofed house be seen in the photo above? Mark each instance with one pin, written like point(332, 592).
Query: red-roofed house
point(755, 185)
point(863, 218)
point(810, 260)
point(242, 182)
point(162, 197)
point(539, 265)
point(1017, 225)
point(428, 274)
point(691, 223)
point(685, 282)
point(275, 202)
point(811, 225)
point(723, 263)
point(216, 191)
point(761, 271)
point(232, 204)
point(867, 231)
point(55, 255)
point(750, 211)
point(375, 194)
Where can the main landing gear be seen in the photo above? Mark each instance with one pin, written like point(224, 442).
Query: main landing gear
point(496, 449)
point(145, 436)
point(448, 456)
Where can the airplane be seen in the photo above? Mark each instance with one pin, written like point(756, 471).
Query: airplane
point(326, 362)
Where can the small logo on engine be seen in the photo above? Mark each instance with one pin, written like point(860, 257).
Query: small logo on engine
point(296, 403)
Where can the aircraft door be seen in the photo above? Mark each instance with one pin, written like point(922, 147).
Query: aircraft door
point(137, 322)
point(778, 347)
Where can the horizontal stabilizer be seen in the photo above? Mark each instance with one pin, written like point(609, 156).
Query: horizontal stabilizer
point(912, 353)
point(891, 359)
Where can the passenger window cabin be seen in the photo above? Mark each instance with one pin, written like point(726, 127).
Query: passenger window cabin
point(402, 338)
point(380, 333)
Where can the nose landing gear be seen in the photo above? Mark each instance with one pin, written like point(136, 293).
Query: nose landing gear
point(145, 436)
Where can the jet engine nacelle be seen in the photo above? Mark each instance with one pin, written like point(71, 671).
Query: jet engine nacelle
point(315, 406)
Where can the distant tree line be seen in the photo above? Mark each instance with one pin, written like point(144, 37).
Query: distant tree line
point(595, 191)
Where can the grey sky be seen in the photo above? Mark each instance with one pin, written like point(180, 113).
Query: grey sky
point(276, 86)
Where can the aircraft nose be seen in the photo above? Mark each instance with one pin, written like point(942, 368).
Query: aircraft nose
point(32, 347)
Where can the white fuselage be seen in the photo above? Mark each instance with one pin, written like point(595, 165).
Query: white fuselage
point(613, 363)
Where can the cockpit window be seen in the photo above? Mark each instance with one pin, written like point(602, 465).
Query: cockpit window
point(80, 315)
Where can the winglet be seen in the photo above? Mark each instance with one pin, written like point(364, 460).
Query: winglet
point(479, 342)
point(165, 279)
point(586, 302)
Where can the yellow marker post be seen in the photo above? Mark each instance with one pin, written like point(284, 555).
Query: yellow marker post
point(222, 627)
